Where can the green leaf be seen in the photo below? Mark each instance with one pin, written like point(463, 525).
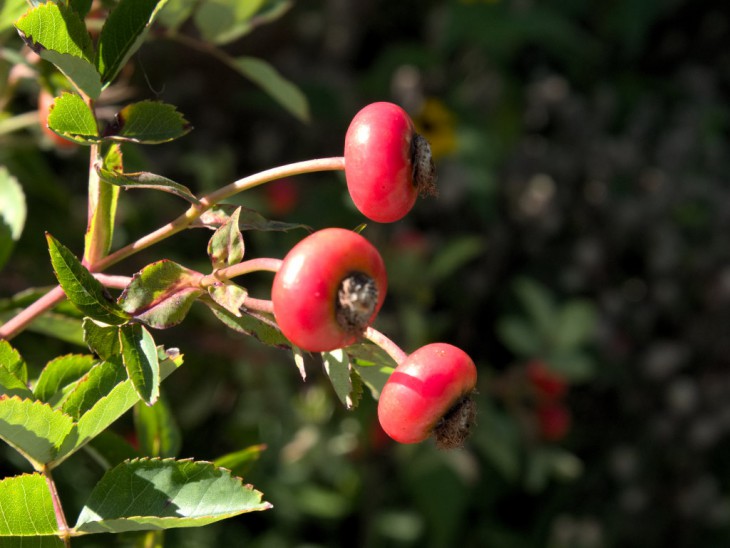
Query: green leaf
point(10, 385)
point(10, 10)
point(576, 324)
point(58, 34)
point(256, 325)
point(108, 408)
point(82, 289)
point(59, 326)
point(240, 462)
point(37, 542)
point(11, 360)
point(88, 389)
point(338, 368)
point(275, 85)
point(12, 213)
point(229, 295)
point(81, 7)
point(144, 179)
point(26, 509)
point(519, 336)
point(575, 367)
point(223, 21)
point(103, 340)
point(140, 358)
point(149, 122)
point(225, 247)
point(161, 294)
point(150, 494)
point(72, 118)
point(59, 373)
point(123, 33)
point(33, 428)
point(372, 365)
point(539, 305)
point(157, 431)
point(174, 14)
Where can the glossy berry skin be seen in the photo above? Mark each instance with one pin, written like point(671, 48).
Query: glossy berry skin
point(305, 289)
point(379, 162)
point(431, 383)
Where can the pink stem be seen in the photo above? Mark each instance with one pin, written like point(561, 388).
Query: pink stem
point(392, 349)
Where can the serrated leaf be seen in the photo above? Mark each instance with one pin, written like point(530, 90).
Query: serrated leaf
point(157, 431)
point(103, 340)
point(12, 213)
point(248, 323)
point(123, 33)
point(10, 385)
point(71, 117)
point(144, 179)
point(275, 85)
point(337, 366)
point(26, 510)
point(240, 462)
point(95, 384)
point(149, 122)
point(225, 247)
point(109, 408)
point(223, 21)
point(37, 542)
point(140, 359)
point(229, 295)
point(33, 428)
point(58, 34)
point(82, 289)
point(59, 373)
point(150, 494)
point(161, 294)
point(11, 360)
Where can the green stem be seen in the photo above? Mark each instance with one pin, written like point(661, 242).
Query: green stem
point(65, 533)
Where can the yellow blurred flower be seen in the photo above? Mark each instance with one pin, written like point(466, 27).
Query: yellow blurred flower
point(438, 125)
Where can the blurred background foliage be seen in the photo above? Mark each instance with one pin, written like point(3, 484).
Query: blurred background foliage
point(574, 252)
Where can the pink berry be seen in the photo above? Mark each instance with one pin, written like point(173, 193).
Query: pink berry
point(328, 290)
point(429, 394)
point(387, 164)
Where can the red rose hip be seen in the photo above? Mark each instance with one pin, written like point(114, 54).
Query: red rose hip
point(387, 164)
point(429, 394)
point(328, 290)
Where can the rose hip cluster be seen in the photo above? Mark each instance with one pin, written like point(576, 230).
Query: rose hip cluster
point(331, 285)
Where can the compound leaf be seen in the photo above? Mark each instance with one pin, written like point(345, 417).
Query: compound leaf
point(59, 373)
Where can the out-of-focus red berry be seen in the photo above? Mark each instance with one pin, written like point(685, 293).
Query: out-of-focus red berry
point(548, 385)
point(553, 420)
